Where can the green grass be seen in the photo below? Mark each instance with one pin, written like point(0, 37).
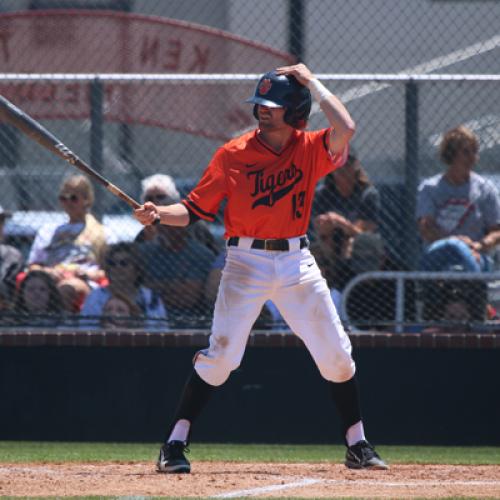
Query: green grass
point(23, 451)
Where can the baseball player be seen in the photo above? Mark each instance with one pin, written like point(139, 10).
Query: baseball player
point(268, 177)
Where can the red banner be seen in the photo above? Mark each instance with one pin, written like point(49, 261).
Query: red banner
point(78, 41)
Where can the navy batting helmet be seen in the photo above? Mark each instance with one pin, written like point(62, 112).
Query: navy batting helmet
point(283, 91)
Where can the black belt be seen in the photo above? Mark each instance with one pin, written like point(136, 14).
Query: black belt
point(273, 245)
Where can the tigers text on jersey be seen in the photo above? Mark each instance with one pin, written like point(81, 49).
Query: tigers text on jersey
point(269, 194)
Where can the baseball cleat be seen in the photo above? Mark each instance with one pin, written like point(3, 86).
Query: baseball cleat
point(172, 459)
point(362, 455)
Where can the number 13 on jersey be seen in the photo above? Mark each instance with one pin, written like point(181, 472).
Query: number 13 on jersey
point(298, 204)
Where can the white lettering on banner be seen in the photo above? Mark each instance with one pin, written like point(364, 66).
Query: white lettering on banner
point(158, 54)
point(132, 44)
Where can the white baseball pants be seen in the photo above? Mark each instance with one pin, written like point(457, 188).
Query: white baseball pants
point(293, 281)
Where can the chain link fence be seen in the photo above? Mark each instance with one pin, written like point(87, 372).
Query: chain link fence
point(141, 88)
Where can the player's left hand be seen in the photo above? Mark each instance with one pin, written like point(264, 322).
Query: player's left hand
point(300, 71)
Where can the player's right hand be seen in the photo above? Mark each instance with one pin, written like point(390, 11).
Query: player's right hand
point(300, 71)
point(147, 213)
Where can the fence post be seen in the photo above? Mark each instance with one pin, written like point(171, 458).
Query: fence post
point(296, 28)
point(411, 240)
point(96, 132)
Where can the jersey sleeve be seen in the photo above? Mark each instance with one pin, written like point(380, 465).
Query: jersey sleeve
point(325, 162)
point(204, 200)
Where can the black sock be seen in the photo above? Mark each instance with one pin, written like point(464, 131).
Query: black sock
point(345, 395)
point(195, 396)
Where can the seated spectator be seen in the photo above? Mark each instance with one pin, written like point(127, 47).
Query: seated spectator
point(73, 249)
point(458, 212)
point(177, 266)
point(455, 308)
point(161, 190)
point(38, 301)
point(120, 312)
point(124, 273)
point(346, 213)
point(11, 263)
point(372, 303)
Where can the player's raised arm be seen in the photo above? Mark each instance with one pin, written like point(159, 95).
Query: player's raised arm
point(343, 126)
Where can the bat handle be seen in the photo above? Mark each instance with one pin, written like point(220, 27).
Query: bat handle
point(156, 222)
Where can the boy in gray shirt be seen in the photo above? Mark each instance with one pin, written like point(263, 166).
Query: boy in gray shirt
point(458, 212)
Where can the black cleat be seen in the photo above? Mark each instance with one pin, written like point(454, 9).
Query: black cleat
point(172, 459)
point(362, 455)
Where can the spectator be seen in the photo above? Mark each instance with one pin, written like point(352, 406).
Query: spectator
point(38, 300)
point(346, 222)
point(161, 189)
point(177, 267)
point(11, 263)
point(73, 249)
point(458, 212)
point(456, 310)
point(124, 273)
point(120, 312)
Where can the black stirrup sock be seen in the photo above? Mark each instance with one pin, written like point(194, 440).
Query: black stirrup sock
point(345, 395)
point(195, 396)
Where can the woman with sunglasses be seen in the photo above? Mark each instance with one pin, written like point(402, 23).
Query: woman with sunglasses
point(72, 250)
point(124, 275)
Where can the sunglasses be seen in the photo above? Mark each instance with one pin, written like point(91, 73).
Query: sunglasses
point(157, 197)
point(72, 197)
point(118, 262)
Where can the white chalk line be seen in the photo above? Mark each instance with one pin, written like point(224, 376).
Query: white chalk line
point(391, 484)
point(353, 482)
point(46, 470)
point(84, 469)
point(266, 489)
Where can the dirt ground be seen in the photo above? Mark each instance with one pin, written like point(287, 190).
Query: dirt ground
point(229, 479)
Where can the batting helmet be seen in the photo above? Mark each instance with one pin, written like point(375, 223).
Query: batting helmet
point(283, 91)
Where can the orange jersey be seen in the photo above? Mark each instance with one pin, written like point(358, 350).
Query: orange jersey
point(269, 194)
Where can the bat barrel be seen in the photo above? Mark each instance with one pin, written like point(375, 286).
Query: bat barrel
point(37, 132)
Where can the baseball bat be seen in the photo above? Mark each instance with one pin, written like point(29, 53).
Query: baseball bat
point(38, 133)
